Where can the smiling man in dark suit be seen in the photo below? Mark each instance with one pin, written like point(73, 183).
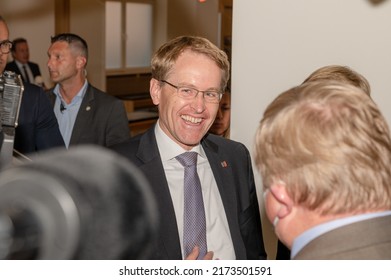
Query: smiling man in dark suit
point(189, 75)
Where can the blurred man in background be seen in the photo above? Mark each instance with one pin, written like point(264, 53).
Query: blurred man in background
point(22, 65)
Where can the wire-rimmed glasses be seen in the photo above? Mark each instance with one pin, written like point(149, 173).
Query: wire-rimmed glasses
point(210, 96)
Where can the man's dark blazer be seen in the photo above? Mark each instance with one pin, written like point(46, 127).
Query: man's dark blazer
point(37, 128)
point(34, 67)
point(283, 253)
point(231, 165)
point(365, 240)
point(101, 119)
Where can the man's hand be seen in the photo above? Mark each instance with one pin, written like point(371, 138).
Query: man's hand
point(196, 251)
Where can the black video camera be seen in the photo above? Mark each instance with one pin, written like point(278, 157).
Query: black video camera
point(11, 91)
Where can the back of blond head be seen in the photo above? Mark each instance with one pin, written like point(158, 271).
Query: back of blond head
point(342, 74)
point(330, 144)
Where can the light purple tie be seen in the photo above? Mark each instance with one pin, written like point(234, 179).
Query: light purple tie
point(194, 225)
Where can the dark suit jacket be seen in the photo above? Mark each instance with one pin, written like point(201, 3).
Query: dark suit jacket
point(366, 240)
point(235, 183)
point(11, 66)
point(283, 253)
point(37, 128)
point(101, 119)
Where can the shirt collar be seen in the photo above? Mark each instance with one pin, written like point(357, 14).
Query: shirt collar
point(80, 95)
point(19, 64)
point(169, 149)
point(312, 233)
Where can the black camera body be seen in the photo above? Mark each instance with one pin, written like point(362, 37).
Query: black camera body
point(11, 92)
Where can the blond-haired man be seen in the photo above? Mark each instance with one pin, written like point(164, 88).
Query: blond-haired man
point(324, 153)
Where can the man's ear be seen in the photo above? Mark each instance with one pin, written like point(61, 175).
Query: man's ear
point(81, 62)
point(155, 91)
point(280, 193)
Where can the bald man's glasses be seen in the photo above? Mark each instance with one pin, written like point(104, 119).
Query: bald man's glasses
point(5, 46)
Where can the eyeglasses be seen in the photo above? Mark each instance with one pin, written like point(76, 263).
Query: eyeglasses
point(210, 96)
point(5, 46)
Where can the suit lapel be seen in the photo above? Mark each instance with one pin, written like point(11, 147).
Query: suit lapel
point(34, 69)
point(84, 116)
point(14, 67)
point(148, 153)
point(223, 173)
point(52, 97)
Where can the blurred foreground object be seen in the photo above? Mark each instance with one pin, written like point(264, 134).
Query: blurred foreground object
point(11, 92)
point(84, 203)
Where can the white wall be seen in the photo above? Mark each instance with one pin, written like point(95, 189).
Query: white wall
point(193, 18)
point(277, 44)
point(92, 29)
